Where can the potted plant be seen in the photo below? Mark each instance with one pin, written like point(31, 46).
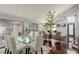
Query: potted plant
point(49, 24)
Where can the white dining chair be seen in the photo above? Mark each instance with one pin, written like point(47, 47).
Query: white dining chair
point(14, 47)
point(6, 37)
point(37, 45)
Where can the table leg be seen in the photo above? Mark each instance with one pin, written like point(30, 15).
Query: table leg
point(28, 50)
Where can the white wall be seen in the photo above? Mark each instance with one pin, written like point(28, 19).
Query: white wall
point(78, 18)
point(61, 29)
point(40, 27)
point(3, 26)
point(63, 19)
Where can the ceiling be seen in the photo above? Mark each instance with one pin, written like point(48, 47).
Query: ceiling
point(35, 12)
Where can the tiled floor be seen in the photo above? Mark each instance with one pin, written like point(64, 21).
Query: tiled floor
point(71, 50)
point(2, 51)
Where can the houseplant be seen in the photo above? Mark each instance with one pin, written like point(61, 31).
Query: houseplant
point(49, 24)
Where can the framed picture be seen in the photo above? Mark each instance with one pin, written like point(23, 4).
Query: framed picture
point(64, 25)
point(33, 26)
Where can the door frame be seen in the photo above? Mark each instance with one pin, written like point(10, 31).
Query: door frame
point(68, 32)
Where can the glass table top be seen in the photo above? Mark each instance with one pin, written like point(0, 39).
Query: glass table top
point(25, 40)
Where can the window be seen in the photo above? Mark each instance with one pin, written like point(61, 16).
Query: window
point(71, 19)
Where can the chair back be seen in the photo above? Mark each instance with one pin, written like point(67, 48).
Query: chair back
point(31, 35)
point(36, 35)
point(58, 36)
point(12, 44)
point(7, 41)
point(58, 33)
point(39, 42)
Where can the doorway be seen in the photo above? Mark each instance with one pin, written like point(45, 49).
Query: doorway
point(71, 34)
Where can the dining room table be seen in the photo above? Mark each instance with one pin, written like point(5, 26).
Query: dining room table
point(32, 42)
point(26, 41)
